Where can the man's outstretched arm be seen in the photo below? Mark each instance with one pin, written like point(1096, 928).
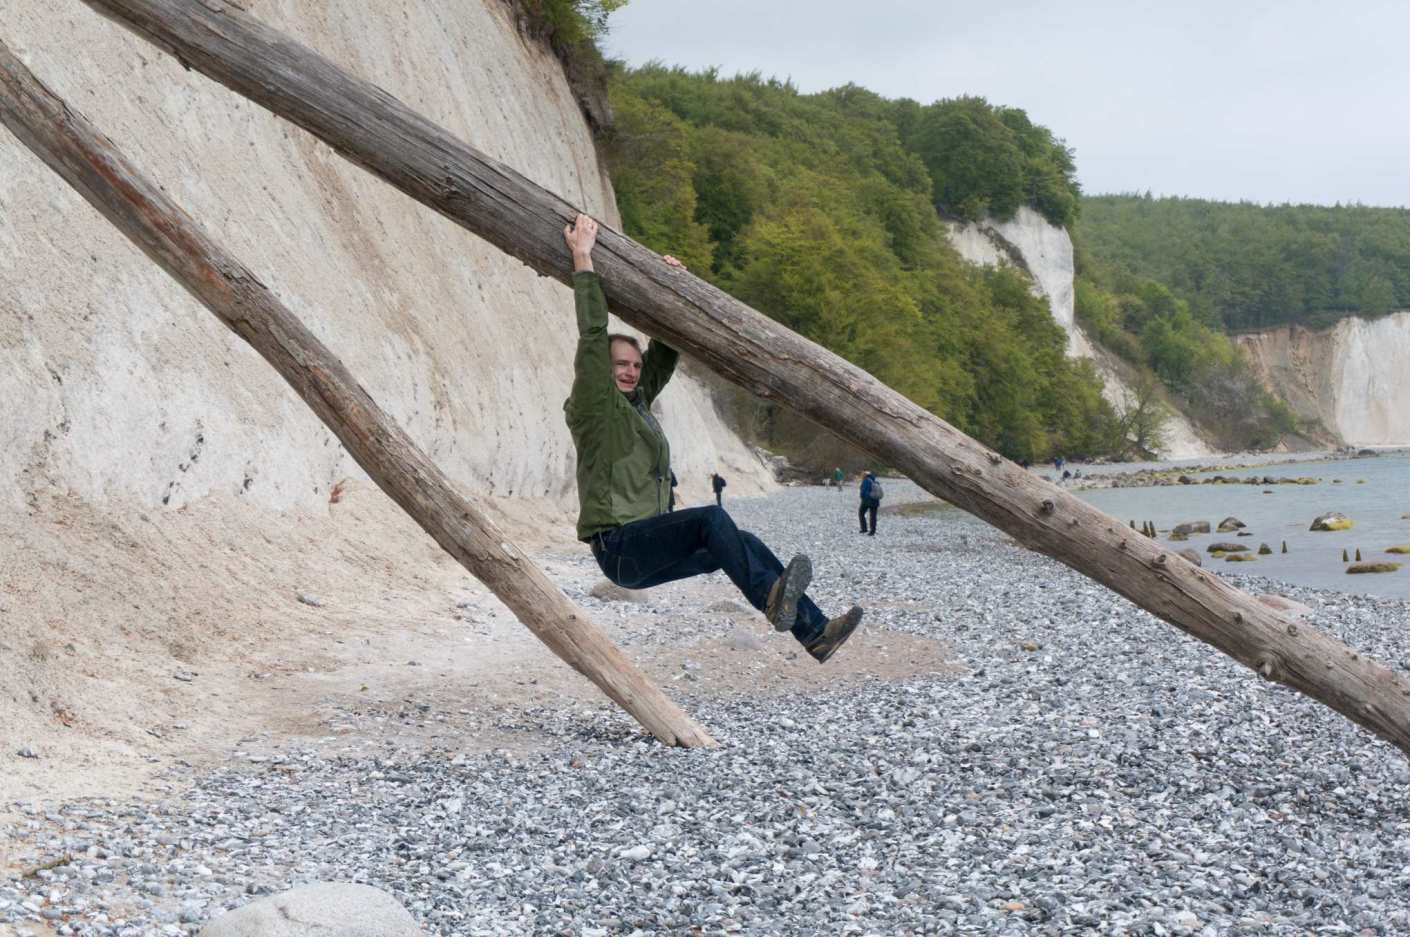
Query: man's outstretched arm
point(592, 364)
point(657, 366)
point(659, 362)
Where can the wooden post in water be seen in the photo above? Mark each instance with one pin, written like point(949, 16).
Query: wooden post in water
point(371, 128)
point(90, 163)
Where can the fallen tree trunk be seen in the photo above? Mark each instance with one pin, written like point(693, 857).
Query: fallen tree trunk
point(90, 163)
point(374, 130)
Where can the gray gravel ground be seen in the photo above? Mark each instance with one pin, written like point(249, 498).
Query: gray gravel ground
point(1091, 771)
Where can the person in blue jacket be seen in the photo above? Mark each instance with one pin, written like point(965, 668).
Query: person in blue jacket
point(871, 500)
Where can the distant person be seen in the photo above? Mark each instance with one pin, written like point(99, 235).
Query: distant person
point(671, 505)
point(624, 463)
point(871, 500)
point(837, 478)
point(717, 485)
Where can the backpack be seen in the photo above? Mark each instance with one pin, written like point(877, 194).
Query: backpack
point(876, 493)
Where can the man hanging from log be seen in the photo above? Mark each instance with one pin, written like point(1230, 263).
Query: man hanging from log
point(624, 471)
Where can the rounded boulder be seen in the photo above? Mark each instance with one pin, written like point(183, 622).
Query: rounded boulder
point(1332, 521)
point(324, 909)
point(1285, 606)
point(1373, 567)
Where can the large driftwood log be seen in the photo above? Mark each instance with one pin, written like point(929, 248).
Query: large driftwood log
point(374, 130)
point(90, 162)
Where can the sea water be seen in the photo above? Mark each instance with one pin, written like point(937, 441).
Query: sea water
point(1374, 492)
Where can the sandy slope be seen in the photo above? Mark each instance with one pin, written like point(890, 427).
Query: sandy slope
point(131, 644)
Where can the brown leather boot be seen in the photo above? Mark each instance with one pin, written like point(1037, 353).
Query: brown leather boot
point(835, 634)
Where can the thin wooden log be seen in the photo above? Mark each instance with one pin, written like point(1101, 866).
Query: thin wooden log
point(90, 163)
point(371, 128)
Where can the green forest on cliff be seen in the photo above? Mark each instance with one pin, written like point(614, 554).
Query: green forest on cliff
point(1248, 266)
point(828, 211)
point(825, 212)
point(1163, 282)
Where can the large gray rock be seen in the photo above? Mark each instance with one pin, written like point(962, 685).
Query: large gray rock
point(1191, 527)
point(1290, 608)
point(609, 591)
point(1331, 521)
point(324, 909)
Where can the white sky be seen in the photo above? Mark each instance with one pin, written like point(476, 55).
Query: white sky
point(1262, 101)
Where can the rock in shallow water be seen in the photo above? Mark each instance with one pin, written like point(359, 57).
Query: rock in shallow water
point(1192, 556)
point(1373, 567)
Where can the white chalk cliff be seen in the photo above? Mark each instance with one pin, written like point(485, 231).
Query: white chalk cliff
point(120, 389)
point(1354, 378)
point(1044, 252)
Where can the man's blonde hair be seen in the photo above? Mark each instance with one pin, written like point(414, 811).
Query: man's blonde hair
point(629, 339)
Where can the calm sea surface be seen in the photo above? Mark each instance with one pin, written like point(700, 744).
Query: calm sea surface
point(1373, 492)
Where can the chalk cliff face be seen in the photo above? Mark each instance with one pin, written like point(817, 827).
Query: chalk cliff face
point(119, 388)
point(1044, 251)
point(1354, 377)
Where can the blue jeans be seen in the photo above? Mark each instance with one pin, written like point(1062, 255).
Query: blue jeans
point(868, 509)
point(692, 542)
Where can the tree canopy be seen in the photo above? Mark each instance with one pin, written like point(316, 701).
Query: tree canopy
point(1245, 266)
point(821, 211)
point(1147, 323)
point(990, 161)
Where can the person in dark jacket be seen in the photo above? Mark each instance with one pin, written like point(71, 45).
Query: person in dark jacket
point(871, 500)
point(624, 467)
point(717, 485)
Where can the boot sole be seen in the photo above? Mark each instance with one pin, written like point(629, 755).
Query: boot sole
point(797, 575)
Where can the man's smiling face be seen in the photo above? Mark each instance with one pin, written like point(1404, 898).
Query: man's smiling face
point(626, 366)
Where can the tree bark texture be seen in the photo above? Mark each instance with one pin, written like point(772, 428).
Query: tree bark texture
point(90, 163)
point(379, 133)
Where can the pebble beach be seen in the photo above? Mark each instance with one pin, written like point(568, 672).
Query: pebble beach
point(1081, 768)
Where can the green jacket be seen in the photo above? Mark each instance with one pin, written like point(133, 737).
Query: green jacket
point(624, 460)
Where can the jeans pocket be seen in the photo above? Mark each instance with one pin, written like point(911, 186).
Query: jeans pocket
point(625, 571)
point(621, 570)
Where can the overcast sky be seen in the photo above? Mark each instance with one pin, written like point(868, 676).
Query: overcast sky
point(1289, 101)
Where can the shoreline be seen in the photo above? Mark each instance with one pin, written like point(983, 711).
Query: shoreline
point(1164, 472)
